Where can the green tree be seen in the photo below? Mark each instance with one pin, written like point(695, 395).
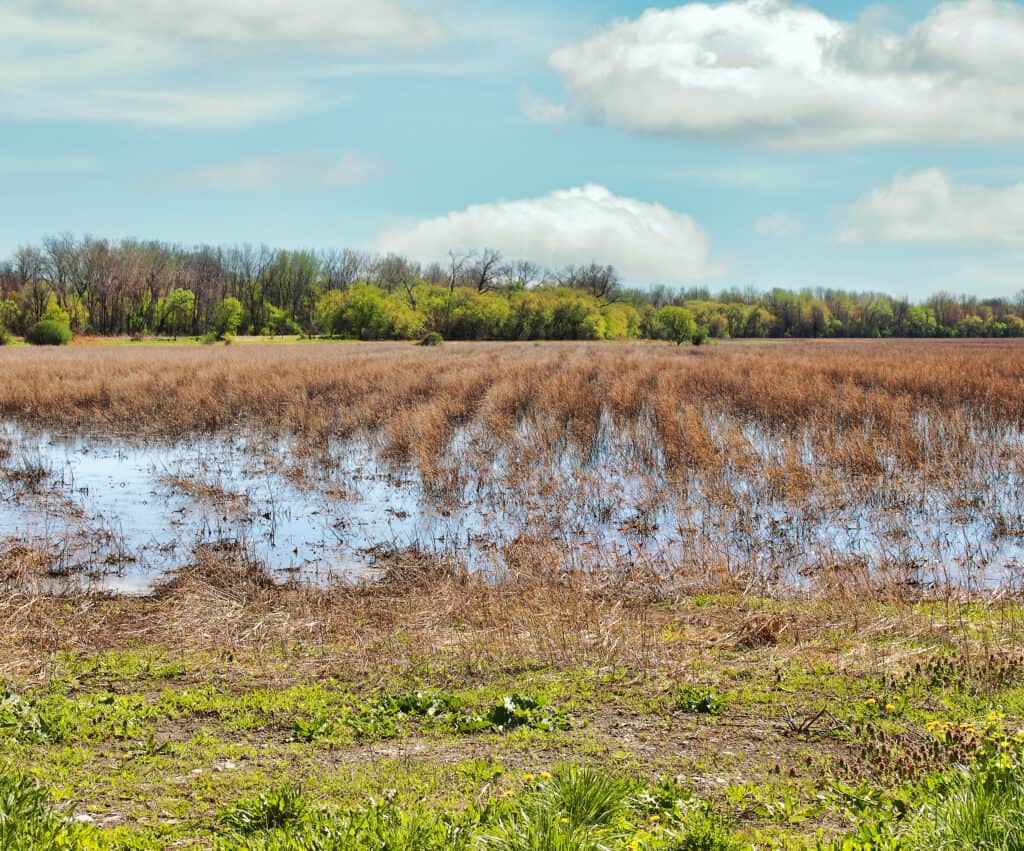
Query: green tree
point(176, 311)
point(227, 318)
point(677, 324)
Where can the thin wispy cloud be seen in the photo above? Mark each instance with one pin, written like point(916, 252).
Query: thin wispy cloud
point(928, 206)
point(294, 172)
point(134, 60)
point(779, 225)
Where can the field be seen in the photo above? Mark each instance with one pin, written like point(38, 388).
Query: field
point(512, 596)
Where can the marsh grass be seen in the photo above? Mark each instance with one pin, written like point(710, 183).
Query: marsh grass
point(561, 651)
point(840, 465)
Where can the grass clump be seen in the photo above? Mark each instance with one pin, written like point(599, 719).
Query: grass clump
point(27, 819)
point(269, 810)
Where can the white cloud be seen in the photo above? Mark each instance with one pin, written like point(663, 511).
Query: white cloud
point(303, 172)
point(646, 242)
point(178, 63)
point(540, 109)
point(929, 207)
point(767, 72)
point(779, 225)
point(359, 26)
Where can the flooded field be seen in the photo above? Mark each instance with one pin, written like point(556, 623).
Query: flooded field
point(767, 507)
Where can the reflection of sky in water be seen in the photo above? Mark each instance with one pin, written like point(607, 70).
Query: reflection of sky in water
point(135, 510)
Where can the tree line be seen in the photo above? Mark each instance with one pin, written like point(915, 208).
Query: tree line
point(97, 286)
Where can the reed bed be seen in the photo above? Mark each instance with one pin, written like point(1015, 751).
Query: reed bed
point(909, 453)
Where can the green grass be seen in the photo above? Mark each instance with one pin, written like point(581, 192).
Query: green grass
point(819, 746)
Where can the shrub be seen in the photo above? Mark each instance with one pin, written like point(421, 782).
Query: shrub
point(49, 332)
point(5, 336)
point(700, 336)
point(432, 339)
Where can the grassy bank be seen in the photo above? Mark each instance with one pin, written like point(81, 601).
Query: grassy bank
point(438, 711)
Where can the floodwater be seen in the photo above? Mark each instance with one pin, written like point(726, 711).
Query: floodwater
point(118, 515)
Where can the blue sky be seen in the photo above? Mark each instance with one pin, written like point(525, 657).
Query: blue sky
point(751, 143)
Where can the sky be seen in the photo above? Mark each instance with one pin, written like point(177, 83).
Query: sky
point(754, 143)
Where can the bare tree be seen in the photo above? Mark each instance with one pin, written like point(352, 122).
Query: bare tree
point(28, 265)
point(602, 282)
point(526, 272)
point(487, 270)
point(456, 264)
point(393, 271)
point(340, 270)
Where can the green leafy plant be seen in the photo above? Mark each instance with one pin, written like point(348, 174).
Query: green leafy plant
point(308, 730)
point(22, 720)
point(514, 711)
point(698, 700)
point(269, 810)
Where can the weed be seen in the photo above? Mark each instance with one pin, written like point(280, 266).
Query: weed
point(269, 810)
point(698, 700)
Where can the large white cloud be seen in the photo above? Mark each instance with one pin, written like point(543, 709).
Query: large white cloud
point(929, 207)
point(767, 72)
point(646, 242)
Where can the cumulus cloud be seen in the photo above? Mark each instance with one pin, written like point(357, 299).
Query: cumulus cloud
point(286, 171)
point(768, 72)
point(646, 242)
point(779, 225)
point(929, 207)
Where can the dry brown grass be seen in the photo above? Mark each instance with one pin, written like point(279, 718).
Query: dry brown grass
point(418, 397)
point(727, 436)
